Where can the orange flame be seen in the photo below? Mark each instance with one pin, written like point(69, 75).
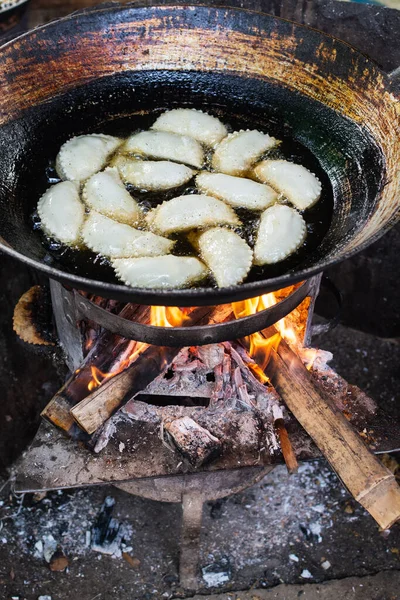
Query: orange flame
point(167, 316)
point(259, 346)
point(160, 316)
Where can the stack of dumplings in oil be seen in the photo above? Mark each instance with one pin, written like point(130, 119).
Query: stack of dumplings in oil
point(187, 202)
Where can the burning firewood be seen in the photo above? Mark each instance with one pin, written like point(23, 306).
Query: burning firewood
point(241, 418)
point(97, 407)
point(109, 354)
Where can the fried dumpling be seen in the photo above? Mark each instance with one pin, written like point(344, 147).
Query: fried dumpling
point(281, 232)
point(196, 124)
point(226, 254)
point(84, 155)
point(237, 153)
point(152, 175)
point(301, 187)
point(236, 191)
point(105, 193)
point(117, 240)
point(169, 146)
point(61, 212)
point(194, 211)
point(160, 272)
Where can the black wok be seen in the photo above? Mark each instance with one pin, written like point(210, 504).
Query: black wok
point(104, 67)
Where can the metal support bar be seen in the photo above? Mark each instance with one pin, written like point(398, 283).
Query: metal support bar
point(192, 515)
point(192, 336)
point(66, 318)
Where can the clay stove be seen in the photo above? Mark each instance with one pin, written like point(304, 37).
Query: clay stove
point(168, 407)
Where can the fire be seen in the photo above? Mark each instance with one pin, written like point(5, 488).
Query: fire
point(167, 316)
point(160, 316)
point(172, 316)
point(259, 346)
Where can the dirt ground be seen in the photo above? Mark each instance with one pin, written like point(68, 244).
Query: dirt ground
point(383, 586)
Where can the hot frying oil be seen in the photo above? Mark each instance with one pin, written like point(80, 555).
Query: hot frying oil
point(83, 262)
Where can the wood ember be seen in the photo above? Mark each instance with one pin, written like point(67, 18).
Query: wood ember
point(242, 414)
point(195, 443)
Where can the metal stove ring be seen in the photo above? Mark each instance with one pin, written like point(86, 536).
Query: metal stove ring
point(196, 335)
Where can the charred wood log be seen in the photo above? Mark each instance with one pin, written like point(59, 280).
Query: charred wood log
point(195, 443)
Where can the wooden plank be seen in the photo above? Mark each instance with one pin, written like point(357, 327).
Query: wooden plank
point(371, 484)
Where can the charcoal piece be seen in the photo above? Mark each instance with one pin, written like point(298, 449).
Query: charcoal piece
point(108, 533)
point(217, 573)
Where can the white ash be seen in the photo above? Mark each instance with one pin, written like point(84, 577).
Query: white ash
point(305, 574)
point(62, 520)
point(293, 512)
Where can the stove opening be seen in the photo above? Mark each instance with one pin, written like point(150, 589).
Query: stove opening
point(160, 400)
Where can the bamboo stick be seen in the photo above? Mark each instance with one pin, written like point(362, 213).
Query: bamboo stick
point(371, 484)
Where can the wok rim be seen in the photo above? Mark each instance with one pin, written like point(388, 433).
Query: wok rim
point(185, 296)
